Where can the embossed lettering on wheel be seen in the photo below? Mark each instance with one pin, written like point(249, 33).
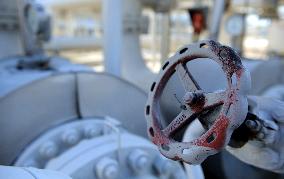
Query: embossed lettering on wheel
point(233, 103)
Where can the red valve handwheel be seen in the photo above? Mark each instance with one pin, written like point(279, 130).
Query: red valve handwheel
point(233, 102)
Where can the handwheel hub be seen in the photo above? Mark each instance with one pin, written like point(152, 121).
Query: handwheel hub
point(191, 98)
point(232, 101)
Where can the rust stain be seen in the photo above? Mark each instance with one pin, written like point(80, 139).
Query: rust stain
point(231, 61)
point(219, 129)
point(216, 137)
point(198, 104)
point(158, 138)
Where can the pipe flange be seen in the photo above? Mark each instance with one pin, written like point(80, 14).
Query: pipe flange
point(59, 140)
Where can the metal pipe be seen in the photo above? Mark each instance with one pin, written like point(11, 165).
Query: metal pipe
point(165, 36)
point(217, 13)
point(70, 43)
point(113, 35)
point(29, 173)
point(30, 43)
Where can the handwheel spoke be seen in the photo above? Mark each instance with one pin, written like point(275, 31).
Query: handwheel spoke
point(214, 99)
point(186, 78)
point(182, 118)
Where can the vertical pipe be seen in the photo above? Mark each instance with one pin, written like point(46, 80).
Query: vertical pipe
point(134, 68)
point(237, 41)
point(218, 10)
point(165, 36)
point(155, 38)
point(29, 40)
point(112, 35)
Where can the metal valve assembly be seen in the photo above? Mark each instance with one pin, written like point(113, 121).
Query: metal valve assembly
point(220, 112)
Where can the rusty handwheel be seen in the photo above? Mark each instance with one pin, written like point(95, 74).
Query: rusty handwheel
point(232, 103)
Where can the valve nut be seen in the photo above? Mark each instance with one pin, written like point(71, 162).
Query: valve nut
point(70, 137)
point(138, 160)
point(107, 168)
point(91, 131)
point(48, 150)
point(163, 166)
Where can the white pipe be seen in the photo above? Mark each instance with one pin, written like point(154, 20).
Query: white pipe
point(29, 41)
point(133, 65)
point(9, 172)
point(71, 3)
point(113, 35)
point(165, 36)
point(217, 14)
point(69, 43)
point(193, 131)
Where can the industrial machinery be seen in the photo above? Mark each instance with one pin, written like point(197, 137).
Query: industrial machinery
point(67, 120)
point(97, 148)
point(220, 122)
point(62, 120)
point(63, 112)
point(223, 113)
point(226, 116)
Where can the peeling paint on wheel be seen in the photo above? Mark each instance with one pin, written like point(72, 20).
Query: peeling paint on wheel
point(233, 103)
